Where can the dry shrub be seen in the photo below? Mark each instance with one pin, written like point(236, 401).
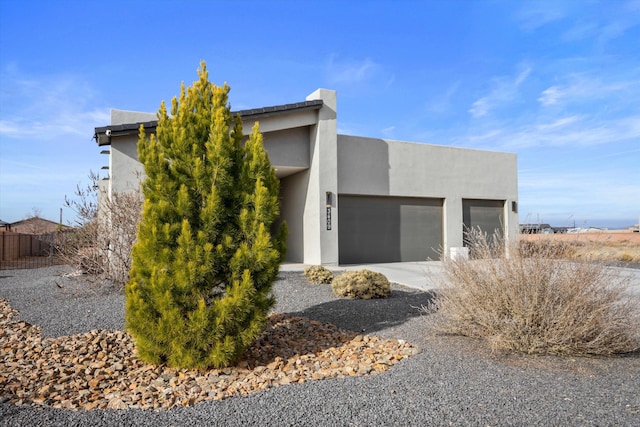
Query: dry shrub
point(603, 246)
point(536, 303)
point(118, 232)
point(77, 248)
point(363, 284)
point(626, 257)
point(546, 248)
point(609, 251)
point(101, 242)
point(318, 274)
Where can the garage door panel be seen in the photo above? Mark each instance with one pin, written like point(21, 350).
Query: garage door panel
point(389, 229)
point(424, 235)
point(487, 215)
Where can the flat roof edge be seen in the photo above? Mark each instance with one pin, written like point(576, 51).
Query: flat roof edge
point(131, 128)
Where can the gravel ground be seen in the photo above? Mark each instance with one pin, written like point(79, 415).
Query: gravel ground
point(453, 381)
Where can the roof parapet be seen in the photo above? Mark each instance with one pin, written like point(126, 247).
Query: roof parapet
point(103, 134)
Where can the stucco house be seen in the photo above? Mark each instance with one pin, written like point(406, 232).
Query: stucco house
point(349, 199)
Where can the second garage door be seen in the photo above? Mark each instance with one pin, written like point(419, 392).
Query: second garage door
point(484, 215)
point(388, 229)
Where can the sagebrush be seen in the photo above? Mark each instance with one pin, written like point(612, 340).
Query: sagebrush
point(318, 274)
point(363, 284)
point(535, 302)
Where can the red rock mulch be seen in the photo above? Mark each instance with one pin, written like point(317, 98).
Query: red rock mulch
point(99, 369)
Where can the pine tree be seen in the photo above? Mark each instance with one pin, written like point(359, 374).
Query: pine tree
point(205, 259)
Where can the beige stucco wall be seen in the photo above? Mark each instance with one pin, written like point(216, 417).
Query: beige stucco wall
point(293, 198)
point(394, 168)
point(288, 148)
point(121, 117)
point(320, 244)
point(125, 171)
point(287, 141)
point(311, 160)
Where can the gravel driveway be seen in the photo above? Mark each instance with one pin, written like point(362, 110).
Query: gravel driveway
point(453, 381)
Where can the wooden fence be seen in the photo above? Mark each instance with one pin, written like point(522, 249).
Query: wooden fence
point(19, 250)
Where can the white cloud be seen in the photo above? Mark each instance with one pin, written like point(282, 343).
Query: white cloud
point(578, 87)
point(535, 14)
point(573, 131)
point(46, 125)
point(388, 131)
point(350, 72)
point(551, 95)
point(583, 21)
point(627, 18)
point(580, 31)
point(480, 108)
point(55, 126)
point(48, 108)
point(489, 135)
point(390, 81)
point(522, 76)
point(559, 123)
point(600, 31)
point(443, 103)
point(504, 90)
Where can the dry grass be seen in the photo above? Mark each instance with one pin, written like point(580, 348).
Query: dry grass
point(603, 246)
point(607, 251)
point(536, 302)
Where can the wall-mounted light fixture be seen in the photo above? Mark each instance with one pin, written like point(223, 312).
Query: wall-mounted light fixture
point(329, 199)
point(514, 206)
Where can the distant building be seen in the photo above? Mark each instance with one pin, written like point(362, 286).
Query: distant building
point(36, 225)
point(536, 229)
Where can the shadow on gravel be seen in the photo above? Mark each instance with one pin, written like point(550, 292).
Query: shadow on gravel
point(369, 315)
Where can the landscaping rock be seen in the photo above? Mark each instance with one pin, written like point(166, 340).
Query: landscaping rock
point(99, 369)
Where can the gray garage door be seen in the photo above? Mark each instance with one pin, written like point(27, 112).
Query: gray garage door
point(484, 214)
point(388, 229)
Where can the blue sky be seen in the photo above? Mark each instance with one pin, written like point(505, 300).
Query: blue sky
point(557, 82)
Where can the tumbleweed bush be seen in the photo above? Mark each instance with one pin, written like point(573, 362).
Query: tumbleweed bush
point(318, 274)
point(364, 284)
point(536, 302)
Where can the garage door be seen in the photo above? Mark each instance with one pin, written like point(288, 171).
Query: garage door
point(487, 215)
point(388, 229)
